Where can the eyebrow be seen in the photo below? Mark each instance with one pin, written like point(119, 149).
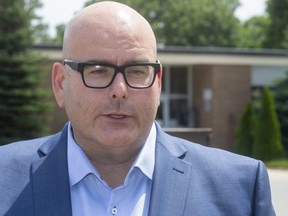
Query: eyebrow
point(134, 61)
point(137, 61)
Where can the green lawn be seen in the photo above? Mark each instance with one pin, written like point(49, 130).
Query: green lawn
point(279, 164)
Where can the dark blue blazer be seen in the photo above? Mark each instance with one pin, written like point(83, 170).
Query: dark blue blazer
point(189, 179)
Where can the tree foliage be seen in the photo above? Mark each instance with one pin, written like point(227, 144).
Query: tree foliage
point(13, 33)
point(39, 29)
point(186, 22)
point(41, 35)
point(267, 144)
point(245, 131)
point(23, 101)
point(254, 32)
point(202, 23)
point(277, 35)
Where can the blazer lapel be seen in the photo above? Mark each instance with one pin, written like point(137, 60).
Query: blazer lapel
point(171, 178)
point(50, 179)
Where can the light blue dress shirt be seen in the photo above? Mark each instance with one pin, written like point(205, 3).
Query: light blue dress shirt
point(90, 195)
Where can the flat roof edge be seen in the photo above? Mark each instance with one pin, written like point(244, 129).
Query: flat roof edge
point(222, 50)
point(195, 50)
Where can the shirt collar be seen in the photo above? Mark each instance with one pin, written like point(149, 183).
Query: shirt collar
point(80, 166)
point(146, 158)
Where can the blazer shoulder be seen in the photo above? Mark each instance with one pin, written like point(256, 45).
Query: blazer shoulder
point(15, 167)
point(16, 159)
point(207, 158)
point(215, 157)
point(26, 150)
point(21, 150)
point(215, 174)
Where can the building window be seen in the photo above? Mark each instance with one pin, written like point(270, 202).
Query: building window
point(176, 99)
point(262, 76)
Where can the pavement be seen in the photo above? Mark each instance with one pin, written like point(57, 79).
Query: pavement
point(279, 189)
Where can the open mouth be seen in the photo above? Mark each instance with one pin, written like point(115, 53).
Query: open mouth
point(115, 116)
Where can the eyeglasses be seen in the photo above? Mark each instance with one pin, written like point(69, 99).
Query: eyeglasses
point(101, 75)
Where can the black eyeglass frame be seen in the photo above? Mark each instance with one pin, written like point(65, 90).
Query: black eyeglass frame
point(79, 67)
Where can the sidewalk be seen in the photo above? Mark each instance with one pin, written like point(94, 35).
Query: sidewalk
point(279, 187)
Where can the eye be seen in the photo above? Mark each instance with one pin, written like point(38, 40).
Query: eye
point(137, 71)
point(97, 70)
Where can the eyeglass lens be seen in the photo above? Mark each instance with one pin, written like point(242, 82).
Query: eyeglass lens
point(101, 75)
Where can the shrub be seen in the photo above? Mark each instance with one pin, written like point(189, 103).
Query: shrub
point(267, 143)
point(281, 104)
point(245, 131)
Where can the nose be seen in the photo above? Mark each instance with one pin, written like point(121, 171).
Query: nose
point(118, 88)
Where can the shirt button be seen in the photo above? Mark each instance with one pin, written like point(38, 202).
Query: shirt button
point(114, 211)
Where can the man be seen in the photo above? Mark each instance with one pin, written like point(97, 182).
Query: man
point(112, 158)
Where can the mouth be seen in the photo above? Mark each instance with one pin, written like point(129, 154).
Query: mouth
point(117, 116)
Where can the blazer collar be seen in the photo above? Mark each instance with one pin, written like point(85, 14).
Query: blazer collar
point(50, 179)
point(171, 177)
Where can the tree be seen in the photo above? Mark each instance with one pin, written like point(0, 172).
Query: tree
point(254, 32)
point(23, 101)
point(267, 145)
point(41, 35)
point(245, 131)
point(58, 39)
point(38, 29)
point(281, 104)
point(278, 28)
point(186, 22)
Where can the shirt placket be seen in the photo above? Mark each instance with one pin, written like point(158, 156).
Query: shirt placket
point(113, 206)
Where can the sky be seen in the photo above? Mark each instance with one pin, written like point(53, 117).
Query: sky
point(56, 12)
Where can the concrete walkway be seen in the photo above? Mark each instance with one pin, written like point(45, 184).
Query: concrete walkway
point(279, 188)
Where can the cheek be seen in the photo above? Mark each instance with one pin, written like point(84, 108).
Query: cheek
point(81, 111)
point(149, 104)
point(77, 100)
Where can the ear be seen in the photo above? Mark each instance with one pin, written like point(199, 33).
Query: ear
point(159, 76)
point(58, 77)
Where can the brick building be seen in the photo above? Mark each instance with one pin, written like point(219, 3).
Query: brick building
point(203, 87)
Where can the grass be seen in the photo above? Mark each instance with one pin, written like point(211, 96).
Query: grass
point(278, 164)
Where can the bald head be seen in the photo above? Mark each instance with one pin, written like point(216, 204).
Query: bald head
point(118, 118)
point(109, 25)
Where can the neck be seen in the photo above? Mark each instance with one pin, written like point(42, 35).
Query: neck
point(114, 174)
point(113, 166)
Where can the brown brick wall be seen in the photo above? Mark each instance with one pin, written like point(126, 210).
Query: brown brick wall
point(230, 86)
point(202, 79)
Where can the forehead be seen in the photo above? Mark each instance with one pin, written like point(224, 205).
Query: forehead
point(111, 37)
